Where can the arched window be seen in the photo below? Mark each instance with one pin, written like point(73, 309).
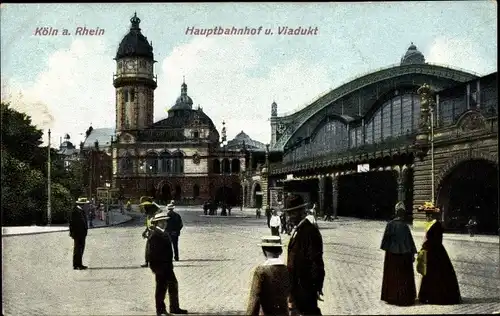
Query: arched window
point(178, 162)
point(196, 191)
point(132, 95)
point(226, 166)
point(165, 162)
point(216, 166)
point(235, 165)
point(398, 116)
point(126, 164)
point(178, 192)
point(332, 136)
point(152, 162)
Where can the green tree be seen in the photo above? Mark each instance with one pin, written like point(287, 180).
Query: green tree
point(24, 174)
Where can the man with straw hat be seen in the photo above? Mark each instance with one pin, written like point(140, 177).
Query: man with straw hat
point(78, 227)
point(305, 259)
point(271, 282)
point(160, 258)
point(150, 208)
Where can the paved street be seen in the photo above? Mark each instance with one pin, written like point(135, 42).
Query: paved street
point(217, 259)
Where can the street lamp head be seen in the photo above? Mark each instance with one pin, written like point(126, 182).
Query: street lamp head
point(108, 185)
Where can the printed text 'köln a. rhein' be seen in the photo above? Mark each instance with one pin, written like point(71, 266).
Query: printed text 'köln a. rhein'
point(79, 31)
point(228, 31)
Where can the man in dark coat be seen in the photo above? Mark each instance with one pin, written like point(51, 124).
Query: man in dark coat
point(174, 227)
point(160, 261)
point(78, 227)
point(305, 260)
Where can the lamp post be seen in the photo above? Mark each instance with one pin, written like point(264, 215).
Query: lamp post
point(431, 108)
point(49, 185)
point(267, 175)
point(108, 211)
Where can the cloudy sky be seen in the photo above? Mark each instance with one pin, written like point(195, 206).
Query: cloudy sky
point(65, 82)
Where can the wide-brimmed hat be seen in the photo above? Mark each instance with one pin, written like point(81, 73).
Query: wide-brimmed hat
point(82, 200)
point(162, 216)
point(271, 241)
point(170, 206)
point(294, 202)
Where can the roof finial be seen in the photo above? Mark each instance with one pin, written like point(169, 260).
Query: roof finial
point(184, 79)
point(135, 22)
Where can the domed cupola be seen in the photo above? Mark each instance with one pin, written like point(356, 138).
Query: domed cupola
point(413, 56)
point(134, 44)
point(183, 102)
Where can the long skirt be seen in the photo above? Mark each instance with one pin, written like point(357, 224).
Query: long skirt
point(440, 285)
point(398, 282)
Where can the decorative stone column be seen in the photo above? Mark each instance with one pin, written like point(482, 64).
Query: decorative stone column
point(335, 195)
point(321, 190)
point(401, 181)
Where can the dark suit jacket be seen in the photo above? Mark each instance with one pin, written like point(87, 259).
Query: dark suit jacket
point(270, 290)
point(78, 224)
point(305, 260)
point(160, 254)
point(174, 224)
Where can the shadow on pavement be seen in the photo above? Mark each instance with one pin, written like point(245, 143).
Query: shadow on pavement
point(480, 300)
point(205, 260)
point(218, 313)
point(136, 267)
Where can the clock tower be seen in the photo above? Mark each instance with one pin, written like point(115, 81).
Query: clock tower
point(134, 80)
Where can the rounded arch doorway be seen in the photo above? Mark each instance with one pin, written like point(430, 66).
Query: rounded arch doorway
point(470, 190)
point(225, 195)
point(165, 193)
point(257, 195)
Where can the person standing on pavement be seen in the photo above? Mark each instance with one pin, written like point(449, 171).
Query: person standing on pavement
point(150, 208)
point(439, 285)
point(161, 264)
point(78, 227)
point(274, 223)
point(398, 281)
point(305, 260)
point(174, 227)
point(271, 282)
point(268, 216)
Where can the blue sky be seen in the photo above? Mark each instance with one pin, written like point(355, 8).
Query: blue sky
point(65, 82)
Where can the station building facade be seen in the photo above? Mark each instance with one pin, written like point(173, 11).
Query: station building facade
point(367, 144)
point(179, 157)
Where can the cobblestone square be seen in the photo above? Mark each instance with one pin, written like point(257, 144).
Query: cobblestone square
point(218, 256)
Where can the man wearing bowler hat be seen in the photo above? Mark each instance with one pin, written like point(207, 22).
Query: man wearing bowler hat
point(160, 258)
point(305, 259)
point(78, 227)
point(271, 282)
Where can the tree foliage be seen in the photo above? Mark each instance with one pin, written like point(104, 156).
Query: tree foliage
point(24, 174)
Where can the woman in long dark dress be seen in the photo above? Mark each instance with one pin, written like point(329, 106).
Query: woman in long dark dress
point(439, 284)
point(398, 282)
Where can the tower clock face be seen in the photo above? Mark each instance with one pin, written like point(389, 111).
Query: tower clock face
point(129, 65)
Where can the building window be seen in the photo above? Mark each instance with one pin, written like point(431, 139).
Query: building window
point(132, 95)
point(165, 162)
point(125, 95)
point(196, 191)
point(178, 162)
point(152, 163)
point(126, 164)
point(216, 166)
point(196, 134)
point(235, 166)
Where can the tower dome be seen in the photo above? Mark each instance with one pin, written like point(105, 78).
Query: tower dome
point(413, 56)
point(183, 102)
point(134, 44)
